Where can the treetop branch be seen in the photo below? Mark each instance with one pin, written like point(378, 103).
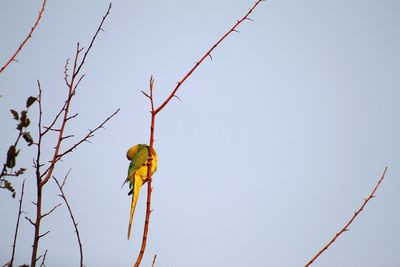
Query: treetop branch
point(12, 58)
point(207, 54)
point(346, 227)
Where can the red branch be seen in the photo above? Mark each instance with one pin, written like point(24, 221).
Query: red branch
point(207, 54)
point(149, 187)
point(12, 58)
point(154, 112)
point(346, 227)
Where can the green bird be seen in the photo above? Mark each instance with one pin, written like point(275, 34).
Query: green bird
point(137, 173)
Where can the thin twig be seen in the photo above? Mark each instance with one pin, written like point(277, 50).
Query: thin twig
point(65, 110)
point(42, 235)
point(93, 39)
point(29, 220)
point(154, 260)
point(50, 127)
point(44, 258)
point(53, 209)
point(88, 136)
point(60, 187)
point(17, 226)
point(346, 227)
point(12, 58)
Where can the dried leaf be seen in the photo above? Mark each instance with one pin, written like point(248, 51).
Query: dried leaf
point(20, 172)
point(28, 138)
point(11, 154)
point(9, 187)
point(24, 119)
point(23, 115)
point(15, 114)
point(30, 101)
point(27, 122)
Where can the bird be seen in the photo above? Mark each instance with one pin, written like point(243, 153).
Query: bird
point(137, 173)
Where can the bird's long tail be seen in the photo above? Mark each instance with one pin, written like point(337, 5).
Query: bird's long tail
point(135, 194)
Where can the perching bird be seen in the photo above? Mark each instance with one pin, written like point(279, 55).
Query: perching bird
point(137, 173)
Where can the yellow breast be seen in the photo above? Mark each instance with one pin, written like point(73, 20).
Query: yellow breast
point(142, 171)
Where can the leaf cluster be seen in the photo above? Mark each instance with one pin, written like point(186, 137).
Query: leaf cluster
point(23, 122)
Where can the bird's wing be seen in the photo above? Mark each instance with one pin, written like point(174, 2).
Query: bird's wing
point(139, 159)
point(137, 183)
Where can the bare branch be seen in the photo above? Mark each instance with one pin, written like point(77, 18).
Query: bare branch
point(207, 54)
point(17, 225)
point(42, 235)
point(177, 97)
point(50, 127)
point(29, 220)
point(63, 114)
point(60, 187)
point(346, 227)
point(65, 178)
point(91, 43)
point(73, 116)
point(66, 72)
point(154, 260)
point(12, 58)
point(77, 84)
point(43, 259)
point(143, 92)
point(88, 136)
point(68, 136)
point(53, 209)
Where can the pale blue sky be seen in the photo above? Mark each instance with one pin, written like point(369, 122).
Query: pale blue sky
point(274, 145)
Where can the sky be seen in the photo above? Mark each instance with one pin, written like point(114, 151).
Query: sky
point(274, 145)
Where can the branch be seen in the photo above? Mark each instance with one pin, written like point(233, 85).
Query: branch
point(71, 91)
point(86, 138)
point(149, 188)
point(44, 258)
point(12, 58)
point(53, 209)
point(17, 226)
point(91, 43)
point(154, 112)
point(43, 178)
point(346, 227)
point(60, 187)
point(48, 128)
point(29, 220)
point(42, 235)
point(154, 260)
point(207, 54)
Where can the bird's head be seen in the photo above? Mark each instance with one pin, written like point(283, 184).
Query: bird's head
point(133, 150)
